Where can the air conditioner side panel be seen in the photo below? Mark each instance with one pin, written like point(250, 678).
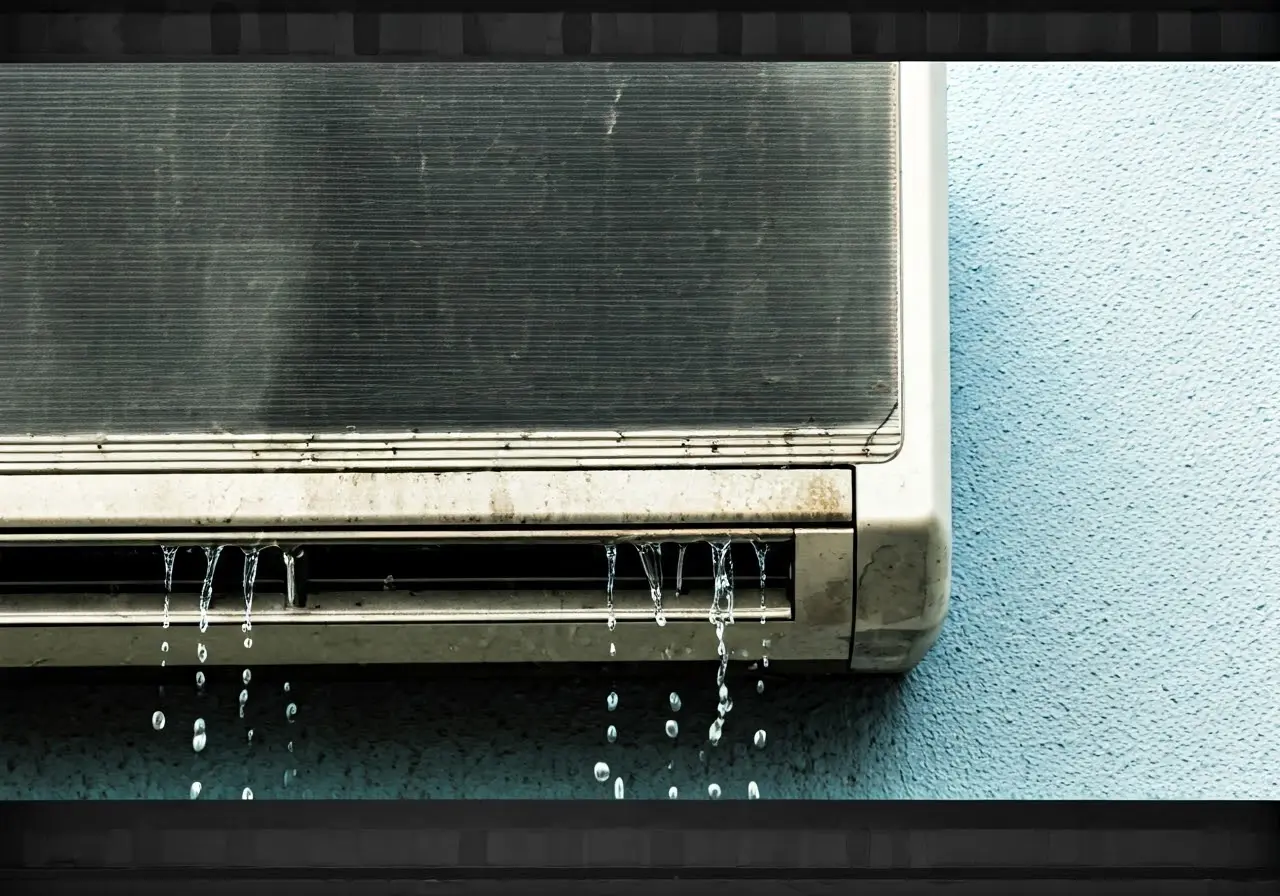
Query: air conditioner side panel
point(904, 506)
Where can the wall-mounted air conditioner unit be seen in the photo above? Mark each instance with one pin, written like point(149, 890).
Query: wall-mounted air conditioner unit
point(438, 347)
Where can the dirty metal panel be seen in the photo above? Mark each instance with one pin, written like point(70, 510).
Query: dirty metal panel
point(433, 248)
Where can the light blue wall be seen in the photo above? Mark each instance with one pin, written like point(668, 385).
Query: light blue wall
point(1115, 631)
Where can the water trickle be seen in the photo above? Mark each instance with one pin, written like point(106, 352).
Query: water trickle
point(611, 555)
point(619, 791)
point(611, 734)
point(195, 789)
point(291, 712)
point(759, 739)
point(680, 569)
point(157, 720)
point(611, 702)
point(601, 772)
point(613, 649)
point(211, 555)
point(651, 560)
point(674, 700)
point(673, 793)
point(761, 548)
point(290, 583)
point(714, 791)
point(753, 792)
point(246, 794)
point(673, 728)
point(249, 577)
point(721, 614)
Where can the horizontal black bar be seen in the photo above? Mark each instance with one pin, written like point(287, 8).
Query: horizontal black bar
point(491, 840)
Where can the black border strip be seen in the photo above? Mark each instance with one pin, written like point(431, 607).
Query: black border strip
point(532, 842)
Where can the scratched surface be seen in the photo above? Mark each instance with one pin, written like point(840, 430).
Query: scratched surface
point(298, 248)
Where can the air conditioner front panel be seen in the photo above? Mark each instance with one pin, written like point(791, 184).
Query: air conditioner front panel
point(431, 265)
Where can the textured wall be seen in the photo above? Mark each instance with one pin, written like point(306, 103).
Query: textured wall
point(1115, 263)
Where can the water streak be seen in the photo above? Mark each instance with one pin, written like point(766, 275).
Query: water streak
point(651, 560)
point(211, 555)
point(761, 548)
point(680, 569)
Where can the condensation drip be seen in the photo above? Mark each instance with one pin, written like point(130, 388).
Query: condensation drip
point(651, 560)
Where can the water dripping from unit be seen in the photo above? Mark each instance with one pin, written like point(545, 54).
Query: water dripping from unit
point(211, 555)
point(651, 561)
point(761, 549)
point(680, 569)
point(248, 579)
point(601, 772)
point(721, 615)
point(290, 583)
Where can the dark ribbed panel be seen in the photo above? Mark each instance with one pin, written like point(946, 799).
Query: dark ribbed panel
point(294, 248)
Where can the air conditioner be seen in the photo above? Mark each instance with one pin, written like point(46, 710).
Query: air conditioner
point(423, 349)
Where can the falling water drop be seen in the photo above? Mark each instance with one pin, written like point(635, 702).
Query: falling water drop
point(714, 791)
point(250, 735)
point(291, 711)
point(286, 687)
point(164, 647)
point(157, 720)
point(759, 739)
point(717, 728)
point(170, 554)
point(674, 700)
point(611, 734)
point(760, 687)
point(202, 652)
point(246, 794)
point(753, 792)
point(246, 676)
point(290, 746)
point(200, 679)
point(673, 793)
point(611, 702)
point(248, 642)
point(198, 741)
point(651, 560)
point(619, 791)
point(211, 555)
point(198, 727)
point(611, 556)
point(672, 727)
point(244, 698)
point(195, 789)
point(601, 772)
point(613, 649)
point(721, 614)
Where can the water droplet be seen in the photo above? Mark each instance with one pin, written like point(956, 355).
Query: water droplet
point(674, 700)
point(613, 649)
point(246, 794)
point(619, 791)
point(197, 742)
point(602, 772)
point(164, 647)
point(759, 739)
point(290, 711)
point(612, 701)
point(702, 755)
point(714, 791)
point(246, 676)
point(753, 792)
point(248, 642)
point(286, 777)
point(250, 735)
point(717, 728)
point(613, 624)
point(611, 734)
point(202, 652)
point(290, 746)
point(765, 661)
point(672, 728)
point(759, 687)
point(157, 720)
point(662, 621)
point(244, 696)
point(198, 727)
point(672, 793)
point(200, 679)
point(286, 687)
point(195, 789)
point(724, 692)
